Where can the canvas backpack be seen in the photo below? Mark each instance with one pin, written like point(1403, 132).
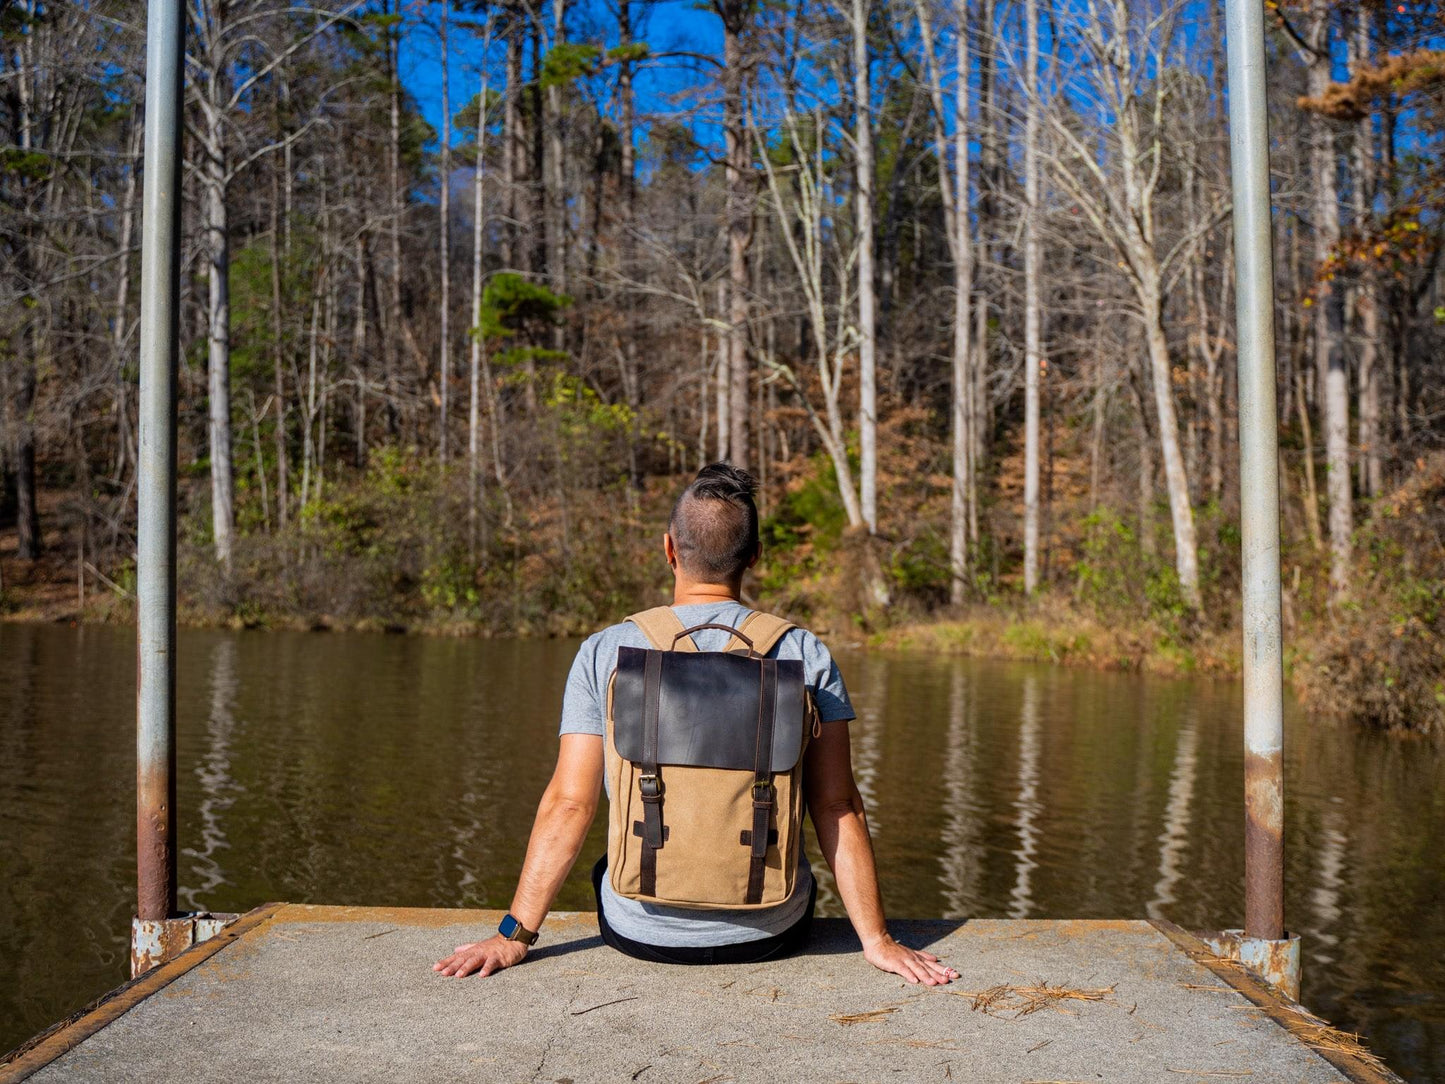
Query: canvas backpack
point(704, 754)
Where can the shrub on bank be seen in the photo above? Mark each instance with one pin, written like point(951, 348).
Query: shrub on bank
point(1379, 657)
point(395, 547)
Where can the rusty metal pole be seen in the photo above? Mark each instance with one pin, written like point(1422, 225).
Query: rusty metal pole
point(156, 496)
point(1263, 944)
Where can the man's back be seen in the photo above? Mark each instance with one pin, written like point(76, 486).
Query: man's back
point(584, 711)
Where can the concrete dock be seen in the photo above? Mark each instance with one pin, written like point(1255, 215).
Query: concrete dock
point(293, 992)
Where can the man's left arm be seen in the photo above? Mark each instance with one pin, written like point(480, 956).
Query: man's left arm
point(563, 817)
point(842, 826)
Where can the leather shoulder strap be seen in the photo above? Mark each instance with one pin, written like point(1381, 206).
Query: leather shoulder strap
point(660, 625)
point(764, 629)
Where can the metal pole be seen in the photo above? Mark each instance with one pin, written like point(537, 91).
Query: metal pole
point(156, 534)
point(1258, 475)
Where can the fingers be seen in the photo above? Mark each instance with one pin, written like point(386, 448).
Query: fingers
point(480, 957)
point(943, 975)
point(927, 969)
point(913, 965)
point(458, 964)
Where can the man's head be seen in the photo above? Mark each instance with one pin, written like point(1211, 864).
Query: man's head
point(713, 532)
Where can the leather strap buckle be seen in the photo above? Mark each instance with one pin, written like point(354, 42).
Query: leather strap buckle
point(650, 786)
point(762, 794)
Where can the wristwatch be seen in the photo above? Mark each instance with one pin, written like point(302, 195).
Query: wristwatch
point(513, 930)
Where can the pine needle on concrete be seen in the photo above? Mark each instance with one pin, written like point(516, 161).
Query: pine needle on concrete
point(848, 1019)
point(1023, 1000)
point(1314, 1032)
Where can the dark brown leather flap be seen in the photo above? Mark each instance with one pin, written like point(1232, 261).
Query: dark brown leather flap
point(708, 714)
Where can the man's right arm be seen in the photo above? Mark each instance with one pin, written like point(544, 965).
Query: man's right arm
point(563, 817)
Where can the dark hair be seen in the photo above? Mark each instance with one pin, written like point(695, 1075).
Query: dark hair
point(714, 524)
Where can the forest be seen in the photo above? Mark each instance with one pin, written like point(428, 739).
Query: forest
point(469, 289)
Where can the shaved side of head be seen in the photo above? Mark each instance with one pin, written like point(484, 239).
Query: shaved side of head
point(714, 524)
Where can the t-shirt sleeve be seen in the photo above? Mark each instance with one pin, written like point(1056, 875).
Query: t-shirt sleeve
point(583, 710)
point(829, 691)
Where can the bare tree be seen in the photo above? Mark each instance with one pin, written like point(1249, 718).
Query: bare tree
point(1117, 193)
point(954, 195)
point(1331, 369)
point(867, 304)
point(735, 16)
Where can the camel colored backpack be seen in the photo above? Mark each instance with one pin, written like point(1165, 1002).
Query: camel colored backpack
point(704, 751)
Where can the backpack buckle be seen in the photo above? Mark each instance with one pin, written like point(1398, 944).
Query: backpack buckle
point(650, 786)
point(762, 794)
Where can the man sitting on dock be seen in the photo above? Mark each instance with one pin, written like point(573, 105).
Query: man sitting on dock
point(712, 540)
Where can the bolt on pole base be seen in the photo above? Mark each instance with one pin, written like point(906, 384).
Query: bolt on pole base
point(1276, 962)
point(156, 941)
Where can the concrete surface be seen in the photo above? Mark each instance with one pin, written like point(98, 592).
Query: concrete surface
point(348, 994)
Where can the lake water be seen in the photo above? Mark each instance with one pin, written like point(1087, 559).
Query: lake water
point(362, 769)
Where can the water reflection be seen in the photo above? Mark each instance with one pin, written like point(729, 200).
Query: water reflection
point(1325, 895)
point(866, 733)
point(1174, 837)
point(213, 773)
point(959, 854)
point(1027, 806)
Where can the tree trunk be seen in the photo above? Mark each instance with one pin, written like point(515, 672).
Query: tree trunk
point(1311, 494)
point(121, 325)
point(1330, 364)
point(1367, 297)
point(278, 364)
point(474, 477)
point(1186, 553)
point(739, 226)
point(724, 379)
point(867, 319)
point(1146, 458)
point(627, 255)
point(393, 162)
point(358, 351)
point(219, 336)
point(27, 507)
point(537, 171)
point(954, 196)
point(961, 520)
point(444, 358)
point(511, 147)
point(308, 444)
point(555, 181)
point(1032, 356)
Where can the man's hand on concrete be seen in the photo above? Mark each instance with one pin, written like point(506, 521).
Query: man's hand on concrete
point(913, 965)
point(483, 957)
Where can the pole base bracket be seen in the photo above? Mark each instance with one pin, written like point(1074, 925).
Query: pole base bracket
point(1276, 962)
point(156, 941)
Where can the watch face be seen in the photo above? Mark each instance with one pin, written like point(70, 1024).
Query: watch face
point(508, 927)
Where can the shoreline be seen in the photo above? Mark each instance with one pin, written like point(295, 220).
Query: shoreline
point(1047, 632)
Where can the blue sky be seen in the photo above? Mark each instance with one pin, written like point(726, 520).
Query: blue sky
point(666, 24)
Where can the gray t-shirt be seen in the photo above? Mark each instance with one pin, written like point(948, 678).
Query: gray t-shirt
point(584, 711)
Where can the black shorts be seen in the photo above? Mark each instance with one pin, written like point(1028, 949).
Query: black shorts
point(743, 952)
